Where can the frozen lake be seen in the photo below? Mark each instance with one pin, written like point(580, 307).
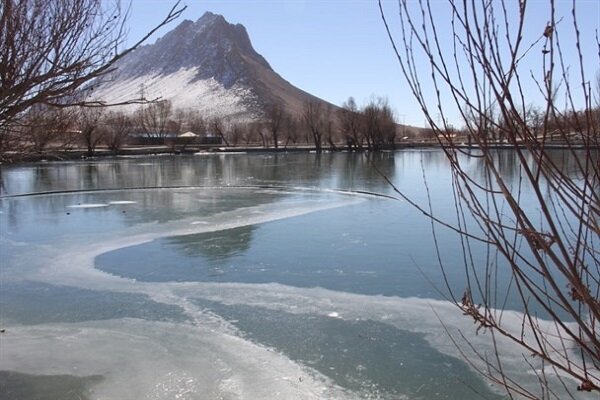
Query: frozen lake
point(258, 276)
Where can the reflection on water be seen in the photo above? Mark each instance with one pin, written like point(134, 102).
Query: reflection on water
point(335, 249)
point(333, 170)
point(218, 246)
point(328, 170)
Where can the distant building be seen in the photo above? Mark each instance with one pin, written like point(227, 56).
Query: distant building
point(171, 138)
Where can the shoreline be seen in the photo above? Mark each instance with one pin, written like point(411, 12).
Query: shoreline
point(15, 157)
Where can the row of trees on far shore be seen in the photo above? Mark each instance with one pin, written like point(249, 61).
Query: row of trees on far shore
point(46, 128)
point(370, 127)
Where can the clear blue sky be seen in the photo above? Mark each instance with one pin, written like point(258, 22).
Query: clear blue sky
point(331, 48)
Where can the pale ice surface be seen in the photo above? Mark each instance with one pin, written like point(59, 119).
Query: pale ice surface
point(149, 360)
point(98, 205)
point(88, 205)
point(153, 360)
point(207, 358)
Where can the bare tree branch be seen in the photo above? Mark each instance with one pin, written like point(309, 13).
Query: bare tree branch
point(52, 49)
point(549, 248)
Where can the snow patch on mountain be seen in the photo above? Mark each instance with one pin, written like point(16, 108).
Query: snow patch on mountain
point(185, 91)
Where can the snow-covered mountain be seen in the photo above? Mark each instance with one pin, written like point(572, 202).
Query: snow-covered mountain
point(208, 65)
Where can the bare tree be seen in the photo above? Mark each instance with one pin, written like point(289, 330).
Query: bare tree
point(173, 126)
point(263, 133)
point(180, 118)
point(117, 126)
point(290, 130)
point(378, 123)
point(153, 119)
point(235, 133)
point(387, 122)
point(51, 49)
point(89, 124)
point(350, 124)
point(549, 248)
point(217, 126)
point(276, 116)
point(251, 133)
point(44, 126)
point(197, 123)
point(329, 126)
point(596, 110)
point(11, 139)
point(369, 120)
point(314, 120)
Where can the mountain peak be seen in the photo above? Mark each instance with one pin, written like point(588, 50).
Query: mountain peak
point(208, 64)
point(210, 17)
point(211, 45)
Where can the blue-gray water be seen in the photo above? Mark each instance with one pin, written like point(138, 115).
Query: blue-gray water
point(233, 276)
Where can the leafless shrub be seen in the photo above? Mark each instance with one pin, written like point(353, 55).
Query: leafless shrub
point(235, 133)
point(351, 124)
point(290, 130)
point(378, 123)
point(153, 119)
point(197, 123)
point(118, 126)
point(314, 119)
point(43, 127)
point(88, 123)
point(218, 127)
point(276, 116)
point(250, 133)
point(480, 72)
point(52, 49)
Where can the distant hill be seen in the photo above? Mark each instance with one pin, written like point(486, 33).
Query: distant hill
point(208, 65)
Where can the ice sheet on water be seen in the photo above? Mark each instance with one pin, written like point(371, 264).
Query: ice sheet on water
point(88, 205)
point(99, 205)
point(141, 359)
point(374, 359)
point(424, 316)
point(71, 261)
point(170, 351)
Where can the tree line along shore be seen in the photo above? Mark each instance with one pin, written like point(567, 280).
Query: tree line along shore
point(50, 133)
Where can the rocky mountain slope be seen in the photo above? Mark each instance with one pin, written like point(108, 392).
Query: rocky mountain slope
point(208, 65)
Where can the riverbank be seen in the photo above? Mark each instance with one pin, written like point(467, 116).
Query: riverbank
point(16, 157)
